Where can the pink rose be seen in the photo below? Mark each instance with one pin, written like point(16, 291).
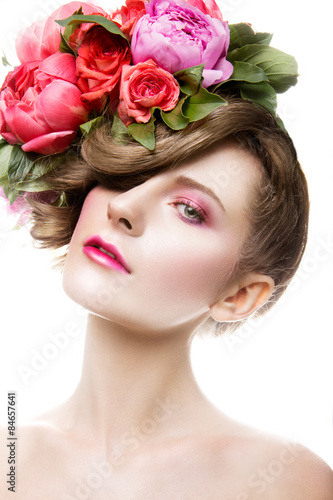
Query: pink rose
point(142, 87)
point(101, 57)
point(40, 105)
point(42, 38)
point(177, 36)
point(128, 15)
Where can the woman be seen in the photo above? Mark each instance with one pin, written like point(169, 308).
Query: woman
point(184, 254)
point(222, 204)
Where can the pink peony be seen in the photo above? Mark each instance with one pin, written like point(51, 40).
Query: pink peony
point(142, 87)
point(177, 36)
point(58, 66)
point(42, 38)
point(40, 105)
point(29, 42)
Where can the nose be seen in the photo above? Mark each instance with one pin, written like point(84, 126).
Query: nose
point(126, 210)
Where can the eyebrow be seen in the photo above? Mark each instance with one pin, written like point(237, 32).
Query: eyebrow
point(183, 180)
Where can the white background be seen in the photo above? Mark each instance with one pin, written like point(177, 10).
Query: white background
point(277, 374)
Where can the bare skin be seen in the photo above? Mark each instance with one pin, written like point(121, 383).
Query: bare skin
point(138, 427)
point(163, 440)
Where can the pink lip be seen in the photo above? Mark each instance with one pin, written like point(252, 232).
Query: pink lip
point(95, 248)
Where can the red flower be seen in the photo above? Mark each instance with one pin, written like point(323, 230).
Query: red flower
point(207, 7)
point(81, 31)
point(128, 15)
point(144, 86)
point(101, 57)
point(40, 105)
point(42, 38)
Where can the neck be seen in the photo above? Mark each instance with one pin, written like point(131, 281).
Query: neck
point(131, 380)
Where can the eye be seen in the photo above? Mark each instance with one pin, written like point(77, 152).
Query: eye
point(189, 212)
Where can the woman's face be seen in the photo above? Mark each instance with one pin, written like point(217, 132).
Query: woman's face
point(177, 238)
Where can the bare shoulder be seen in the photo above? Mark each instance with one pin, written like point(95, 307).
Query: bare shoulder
point(303, 474)
point(30, 439)
point(275, 468)
point(321, 474)
point(34, 454)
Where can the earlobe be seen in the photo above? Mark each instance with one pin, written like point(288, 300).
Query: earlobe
point(245, 301)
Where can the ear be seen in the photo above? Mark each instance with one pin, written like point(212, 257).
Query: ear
point(246, 297)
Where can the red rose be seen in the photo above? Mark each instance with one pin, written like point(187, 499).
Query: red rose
point(80, 32)
point(128, 15)
point(144, 86)
point(101, 57)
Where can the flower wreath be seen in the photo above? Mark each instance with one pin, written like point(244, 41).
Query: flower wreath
point(147, 61)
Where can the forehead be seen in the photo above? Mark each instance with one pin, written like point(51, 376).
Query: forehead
point(228, 170)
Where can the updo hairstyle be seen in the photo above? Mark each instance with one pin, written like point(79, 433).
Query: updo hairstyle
point(278, 213)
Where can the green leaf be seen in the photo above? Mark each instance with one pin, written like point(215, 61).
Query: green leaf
point(5, 60)
point(5, 152)
point(20, 164)
point(201, 104)
point(61, 201)
point(42, 165)
point(20, 171)
point(242, 34)
point(247, 72)
point(261, 93)
point(77, 19)
point(189, 79)
point(144, 133)
point(281, 124)
point(26, 166)
point(11, 194)
point(281, 68)
point(88, 127)
point(175, 119)
point(119, 130)
point(35, 186)
point(64, 46)
point(70, 28)
point(26, 169)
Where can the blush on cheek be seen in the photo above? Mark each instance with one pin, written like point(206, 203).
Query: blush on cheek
point(197, 280)
point(92, 209)
point(89, 201)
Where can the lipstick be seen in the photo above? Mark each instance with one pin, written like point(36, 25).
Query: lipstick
point(105, 254)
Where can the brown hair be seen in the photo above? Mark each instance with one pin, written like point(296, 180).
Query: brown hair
point(279, 211)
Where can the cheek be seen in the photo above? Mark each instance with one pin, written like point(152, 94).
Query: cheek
point(93, 209)
point(75, 272)
point(197, 274)
point(92, 215)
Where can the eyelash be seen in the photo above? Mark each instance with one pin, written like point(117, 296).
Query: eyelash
point(200, 212)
